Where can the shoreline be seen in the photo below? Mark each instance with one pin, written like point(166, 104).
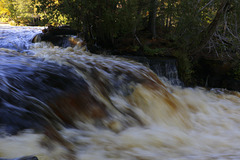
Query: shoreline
point(4, 24)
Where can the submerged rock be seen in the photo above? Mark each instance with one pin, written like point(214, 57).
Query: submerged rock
point(40, 95)
point(22, 158)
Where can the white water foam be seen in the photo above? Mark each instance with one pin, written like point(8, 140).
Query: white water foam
point(210, 130)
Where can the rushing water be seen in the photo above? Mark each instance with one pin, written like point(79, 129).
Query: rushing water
point(105, 108)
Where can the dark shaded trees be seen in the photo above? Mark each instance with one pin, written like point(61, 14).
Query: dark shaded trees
point(152, 17)
point(191, 25)
point(183, 27)
point(207, 33)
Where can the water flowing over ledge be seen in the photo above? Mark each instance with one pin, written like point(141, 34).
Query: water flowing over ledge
point(85, 106)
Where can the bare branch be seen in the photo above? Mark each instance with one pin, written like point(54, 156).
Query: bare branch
point(205, 6)
point(232, 33)
point(215, 50)
point(139, 42)
point(212, 28)
point(236, 22)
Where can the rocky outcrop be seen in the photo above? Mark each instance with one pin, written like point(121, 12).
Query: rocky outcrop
point(217, 74)
point(41, 95)
point(59, 36)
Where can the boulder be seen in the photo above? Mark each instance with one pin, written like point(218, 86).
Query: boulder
point(59, 36)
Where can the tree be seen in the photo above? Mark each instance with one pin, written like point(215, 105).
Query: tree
point(20, 11)
point(212, 27)
point(4, 8)
point(152, 17)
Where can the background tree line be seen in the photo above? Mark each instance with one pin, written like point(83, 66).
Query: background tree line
point(181, 28)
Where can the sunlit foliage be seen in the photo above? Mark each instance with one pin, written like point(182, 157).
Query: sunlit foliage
point(4, 8)
point(105, 22)
point(186, 27)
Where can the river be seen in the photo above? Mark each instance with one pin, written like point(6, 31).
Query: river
point(105, 108)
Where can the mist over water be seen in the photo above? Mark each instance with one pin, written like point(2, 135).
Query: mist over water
point(147, 119)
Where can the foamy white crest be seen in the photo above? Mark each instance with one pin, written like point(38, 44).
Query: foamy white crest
point(186, 124)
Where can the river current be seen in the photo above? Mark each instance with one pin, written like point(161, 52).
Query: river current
point(129, 113)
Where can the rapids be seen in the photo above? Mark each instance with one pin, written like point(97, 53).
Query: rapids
point(106, 108)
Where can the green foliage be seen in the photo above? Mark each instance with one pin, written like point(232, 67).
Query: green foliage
point(4, 10)
point(101, 21)
point(155, 51)
point(19, 11)
point(236, 72)
point(105, 22)
point(184, 67)
point(3, 19)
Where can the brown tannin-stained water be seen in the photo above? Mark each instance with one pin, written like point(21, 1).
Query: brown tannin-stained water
point(107, 108)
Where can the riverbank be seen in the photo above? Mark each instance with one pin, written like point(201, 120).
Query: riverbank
point(4, 24)
point(206, 69)
point(105, 107)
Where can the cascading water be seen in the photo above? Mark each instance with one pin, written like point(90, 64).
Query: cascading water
point(17, 38)
point(82, 106)
point(164, 67)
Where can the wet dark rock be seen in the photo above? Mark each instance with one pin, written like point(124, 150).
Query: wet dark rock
point(35, 95)
point(59, 36)
point(56, 40)
point(217, 74)
point(61, 30)
point(22, 158)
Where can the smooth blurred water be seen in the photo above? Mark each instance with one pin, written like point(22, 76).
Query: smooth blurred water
point(143, 118)
point(17, 37)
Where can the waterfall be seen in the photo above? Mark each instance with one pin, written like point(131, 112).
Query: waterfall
point(68, 103)
point(165, 68)
point(16, 37)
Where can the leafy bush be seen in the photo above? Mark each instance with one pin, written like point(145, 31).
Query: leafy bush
point(185, 69)
point(154, 51)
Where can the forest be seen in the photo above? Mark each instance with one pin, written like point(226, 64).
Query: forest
point(185, 29)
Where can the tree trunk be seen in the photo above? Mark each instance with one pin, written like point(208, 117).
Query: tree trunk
point(162, 14)
point(139, 10)
point(206, 35)
point(152, 17)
